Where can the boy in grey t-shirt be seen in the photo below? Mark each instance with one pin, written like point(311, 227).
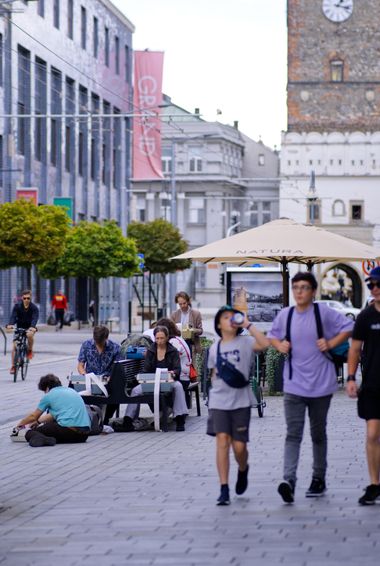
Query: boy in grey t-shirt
point(230, 407)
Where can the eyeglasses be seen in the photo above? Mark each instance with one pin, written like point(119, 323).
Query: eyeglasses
point(301, 288)
point(26, 298)
point(372, 284)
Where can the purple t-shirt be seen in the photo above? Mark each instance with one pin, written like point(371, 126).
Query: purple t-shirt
point(313, 374)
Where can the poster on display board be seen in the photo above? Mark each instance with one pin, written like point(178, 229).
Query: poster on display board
point(255, 291)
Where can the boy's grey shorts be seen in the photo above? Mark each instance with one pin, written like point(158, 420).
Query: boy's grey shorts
point(235, 423)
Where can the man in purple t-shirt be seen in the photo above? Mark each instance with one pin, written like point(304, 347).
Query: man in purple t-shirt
point(309, 379)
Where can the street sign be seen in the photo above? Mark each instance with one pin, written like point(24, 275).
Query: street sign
point(28, 193)
point(66, 202)
point(369, 264)
point(141, 262)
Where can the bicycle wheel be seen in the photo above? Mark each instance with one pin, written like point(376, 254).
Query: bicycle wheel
point(24, 367)
point(260, 403)
point(16, 363)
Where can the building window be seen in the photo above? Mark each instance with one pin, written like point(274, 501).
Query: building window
point(126, 63)
point(261, 159)
point(1, 59)
point(80, 153)
point(267, 212)
point(117, 55)
point(116, 177)
point(314, 211)
point(70, 19)
point(55, 124)
point(56, 13)
point(41, 8)
point(140, 209)
point(95, 124)
point(195, 159)
point(83, 27)
point(40, 109)
point(23, 104)
point(356, 211)
point(68, 149)
point(166, 162)
point(336, 71)
point(196, 210)
point(107, 47)
point(96, 38)
point(254, 215)
point(106, 149)
point(338, 208)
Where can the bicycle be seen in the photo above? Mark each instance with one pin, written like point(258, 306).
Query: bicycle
point(255, 381)
point(21, 361)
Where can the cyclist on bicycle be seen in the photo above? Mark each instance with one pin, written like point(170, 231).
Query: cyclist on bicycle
point(24, 315)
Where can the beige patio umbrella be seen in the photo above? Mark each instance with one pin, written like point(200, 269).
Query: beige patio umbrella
point(283, 241)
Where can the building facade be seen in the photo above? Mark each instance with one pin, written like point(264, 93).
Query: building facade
point(221, 182)
point(333, 120)
point(65, 76)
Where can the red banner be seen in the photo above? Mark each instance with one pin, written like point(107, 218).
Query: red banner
point(146, 126)
point(28, 194)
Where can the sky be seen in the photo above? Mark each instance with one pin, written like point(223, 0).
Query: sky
point(227, 55)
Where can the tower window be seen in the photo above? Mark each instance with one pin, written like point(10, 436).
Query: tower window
point(357, 211)
point(336, 71)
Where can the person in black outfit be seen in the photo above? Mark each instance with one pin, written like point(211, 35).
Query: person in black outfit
point(24, 315)
point(161, 354)
point(365, 348)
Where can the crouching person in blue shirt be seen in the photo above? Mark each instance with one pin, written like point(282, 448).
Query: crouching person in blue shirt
point(66, 419)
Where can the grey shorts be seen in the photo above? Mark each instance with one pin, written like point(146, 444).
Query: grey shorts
point(235, 423)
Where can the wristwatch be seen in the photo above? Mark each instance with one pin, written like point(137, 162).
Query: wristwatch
point(351, 378)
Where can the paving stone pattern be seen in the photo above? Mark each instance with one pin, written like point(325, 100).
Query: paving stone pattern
point(149, 498)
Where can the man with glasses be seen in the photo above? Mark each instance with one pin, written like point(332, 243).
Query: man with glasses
point(309, 378)
point(365, 348)
point(24, 315)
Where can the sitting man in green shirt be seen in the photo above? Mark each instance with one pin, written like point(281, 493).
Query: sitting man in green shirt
point(66, 419)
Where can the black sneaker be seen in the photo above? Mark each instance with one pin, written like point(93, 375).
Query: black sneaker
point(286, 490)
point(317, 488)
point(224, 497)
point(37, 440)
point(371, 493)
point(242, 481)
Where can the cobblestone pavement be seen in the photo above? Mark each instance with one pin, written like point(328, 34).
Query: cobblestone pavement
point(149, 498)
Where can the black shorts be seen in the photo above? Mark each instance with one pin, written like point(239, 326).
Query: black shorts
point(369, 404)
point(235, 423)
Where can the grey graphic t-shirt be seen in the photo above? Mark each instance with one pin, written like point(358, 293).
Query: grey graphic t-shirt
point(239, 352)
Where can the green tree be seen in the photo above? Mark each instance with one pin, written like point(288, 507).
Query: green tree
point(31, 234)
point(94, 250)
point(159, 240)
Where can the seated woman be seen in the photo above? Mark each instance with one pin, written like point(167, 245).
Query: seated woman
point(161, 355)
point(179, 344)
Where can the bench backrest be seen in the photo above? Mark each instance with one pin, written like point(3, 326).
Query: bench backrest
point(123, 376)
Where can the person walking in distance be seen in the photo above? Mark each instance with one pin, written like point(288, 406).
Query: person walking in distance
point(309, 378)
point(59, 304)
point(365, 347)
point(231, 396)
point(188, 318)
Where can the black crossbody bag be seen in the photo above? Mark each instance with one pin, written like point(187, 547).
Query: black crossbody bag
point(228, 372)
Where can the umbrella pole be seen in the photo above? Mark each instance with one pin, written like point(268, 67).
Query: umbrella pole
point(285, 281)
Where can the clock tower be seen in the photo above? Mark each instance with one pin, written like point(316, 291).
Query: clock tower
point(333, 65)
point(330, 153)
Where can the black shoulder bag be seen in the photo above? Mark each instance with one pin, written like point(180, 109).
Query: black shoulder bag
point(228, 372)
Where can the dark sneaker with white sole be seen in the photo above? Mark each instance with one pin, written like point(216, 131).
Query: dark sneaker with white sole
point(371, 493)
point(242, 481)
point(224, 497)
point(286, 490)
point(317, 488)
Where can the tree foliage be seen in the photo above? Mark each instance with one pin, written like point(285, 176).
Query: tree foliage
point(94, 250)
point(31, 234)
point(159, 240)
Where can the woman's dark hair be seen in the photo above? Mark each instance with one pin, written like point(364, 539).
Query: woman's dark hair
point(306, 276)
point(100, 334)
point(161, 329)
point(49, 381)
point(170, 325)
point(182, 295)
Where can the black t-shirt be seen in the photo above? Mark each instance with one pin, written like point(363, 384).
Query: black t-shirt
point(367, 329)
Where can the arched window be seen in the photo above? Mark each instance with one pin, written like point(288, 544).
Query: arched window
point(338, 208)
point(336, 70)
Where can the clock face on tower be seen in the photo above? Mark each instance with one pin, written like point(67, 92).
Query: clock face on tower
point(338, 10)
